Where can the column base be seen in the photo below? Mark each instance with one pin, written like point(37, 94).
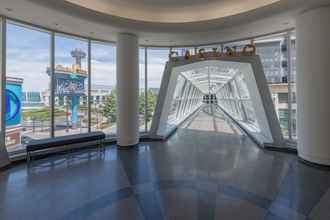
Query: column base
point(317, 161)
point(127, 147)
point(313, 164)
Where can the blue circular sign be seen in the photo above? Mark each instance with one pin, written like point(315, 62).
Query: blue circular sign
point(13, 105)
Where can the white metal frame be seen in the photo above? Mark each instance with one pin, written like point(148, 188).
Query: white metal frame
point(255, 80)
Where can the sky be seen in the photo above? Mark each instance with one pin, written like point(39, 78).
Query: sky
point(28, 56)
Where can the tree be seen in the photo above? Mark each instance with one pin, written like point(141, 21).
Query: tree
point(109, 108)
point(150, 106)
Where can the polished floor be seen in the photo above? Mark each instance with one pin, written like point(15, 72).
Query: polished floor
point(207, 170)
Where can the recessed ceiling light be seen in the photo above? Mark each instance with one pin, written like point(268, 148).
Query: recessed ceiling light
point(91, 32)
point(56, 24)
point(286, 23)
point(9, 9)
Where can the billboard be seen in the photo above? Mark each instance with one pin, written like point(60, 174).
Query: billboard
point(13, 103)
point(70, 84)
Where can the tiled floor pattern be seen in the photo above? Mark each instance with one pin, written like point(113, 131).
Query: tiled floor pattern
point(207, 170)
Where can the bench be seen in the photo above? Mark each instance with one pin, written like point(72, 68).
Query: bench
point(48, 143)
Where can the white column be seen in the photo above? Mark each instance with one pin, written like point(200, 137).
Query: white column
point(313, 85)
point(127, 90)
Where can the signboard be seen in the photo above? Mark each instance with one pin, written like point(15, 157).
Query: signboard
point(13, 104)
point(13, 98)
point(70, 87)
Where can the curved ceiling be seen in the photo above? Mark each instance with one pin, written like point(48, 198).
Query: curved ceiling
point(183, 23)
point(172, 11)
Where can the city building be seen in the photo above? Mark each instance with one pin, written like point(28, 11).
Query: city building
point(99, 94)
point(32, 99)
point(164, 109)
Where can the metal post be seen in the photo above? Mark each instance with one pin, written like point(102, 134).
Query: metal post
point(33, 125)
point(209, 82)
point(3, 88)
point(89, 108)
point(146, 89)
point(52, 84)
point(288, 40)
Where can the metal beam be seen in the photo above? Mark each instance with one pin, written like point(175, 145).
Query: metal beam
point(52, 84)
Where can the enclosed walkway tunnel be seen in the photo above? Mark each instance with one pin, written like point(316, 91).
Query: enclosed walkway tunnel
point(238, 87)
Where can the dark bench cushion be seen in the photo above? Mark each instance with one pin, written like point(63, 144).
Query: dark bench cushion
point(35, 145)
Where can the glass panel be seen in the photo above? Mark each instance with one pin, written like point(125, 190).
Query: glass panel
point(239, 45)
point(27, 105)
point(237, 102)
point(274, 54)
point(234, 97)
point(71, 85)
point(157, 59)
point(293, 87)
point(103, 88)
point(182, 50)
point(142, 93)
point(209, 48)
point(2, 108)
point(184, 102)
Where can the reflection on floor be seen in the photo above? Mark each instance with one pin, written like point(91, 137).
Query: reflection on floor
point(197, 174)
point(210, 119)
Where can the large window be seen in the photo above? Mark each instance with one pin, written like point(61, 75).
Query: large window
point(293, 87)
point(103, 88)
point(2, 76)
point(71, 85)
point(29, 78)
point(143, 95)
point(278, 56)
point(273, 51)
point(27, 85)
point(157, 59)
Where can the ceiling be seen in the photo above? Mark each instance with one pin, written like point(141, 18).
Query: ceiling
point(161, 22)
point(172, 11)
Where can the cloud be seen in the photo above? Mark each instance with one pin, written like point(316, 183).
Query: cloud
point(28, 56)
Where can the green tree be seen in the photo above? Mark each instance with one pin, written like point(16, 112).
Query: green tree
point(109, 108)
point(150, 106)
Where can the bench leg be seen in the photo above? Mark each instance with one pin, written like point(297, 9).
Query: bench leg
point(71, 154)
point(103, 146)
point(28, 158)
point(99, 146)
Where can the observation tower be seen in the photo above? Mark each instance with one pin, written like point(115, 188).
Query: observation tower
point(70, 83)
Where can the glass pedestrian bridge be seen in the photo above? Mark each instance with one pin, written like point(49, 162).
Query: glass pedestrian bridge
point(239, 88)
